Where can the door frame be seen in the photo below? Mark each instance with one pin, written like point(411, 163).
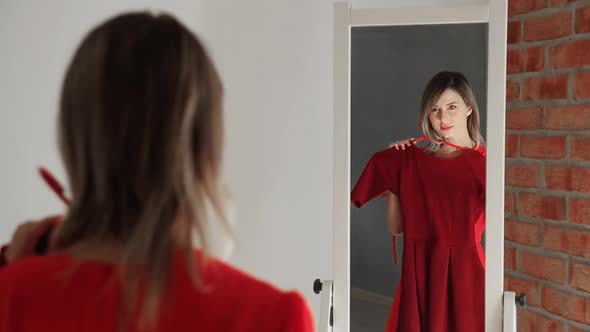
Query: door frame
point(495, 14)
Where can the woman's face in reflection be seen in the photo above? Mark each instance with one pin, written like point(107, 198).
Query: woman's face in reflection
point(449, 114)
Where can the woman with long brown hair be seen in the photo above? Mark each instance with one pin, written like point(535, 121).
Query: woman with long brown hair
point(141, 136)
point(436, 198)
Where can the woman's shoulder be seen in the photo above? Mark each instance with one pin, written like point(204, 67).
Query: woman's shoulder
point(30, 268)
point(220, 272)
point(393, 155)
point(283, 310)
point(30, 278)
point(481, 149)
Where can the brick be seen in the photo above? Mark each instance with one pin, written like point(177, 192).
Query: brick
point(564, 304)
point(522, 232)
point(547, 268)
point(572, 242)
point(583, 19)
point(570, 54)
point(575, 329)
point(555, 238)
point(512, 91)
point(541, 206)
point(548, 27)
point(573, 117)
point(530, 287)
point(579, 211)
point(524, 118)
point(546, 147)
point(579, 243)
point(526, 60)
point(510, 258)
point(582, 84)
point(529, 321)
point(509, 202)
point(517, 7)
point(511, 145)
point(513, 35)
point(522, 175)
point(557, 3)
point(580, 148)
point(545, 87)
point(579, 276)
point(567, 178)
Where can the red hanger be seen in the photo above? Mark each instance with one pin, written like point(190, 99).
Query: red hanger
point(42, 244)
point(423, 138)
point(53, 184)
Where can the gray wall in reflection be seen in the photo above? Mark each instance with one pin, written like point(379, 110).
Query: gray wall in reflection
point(390, 67)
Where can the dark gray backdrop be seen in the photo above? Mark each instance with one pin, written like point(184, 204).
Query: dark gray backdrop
point(390, 66)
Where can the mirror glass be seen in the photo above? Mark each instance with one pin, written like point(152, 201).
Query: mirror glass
point(438, 196)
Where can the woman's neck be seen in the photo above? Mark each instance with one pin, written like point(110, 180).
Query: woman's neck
point(111, 251)
point(106, 251)
point(465, 142)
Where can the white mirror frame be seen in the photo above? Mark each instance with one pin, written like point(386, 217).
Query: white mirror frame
point(495, 14)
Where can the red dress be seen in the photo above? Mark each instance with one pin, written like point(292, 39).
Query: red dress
point(442, 203)
point(57, 293)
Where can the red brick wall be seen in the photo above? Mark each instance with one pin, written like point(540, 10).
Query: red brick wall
point(547, 226)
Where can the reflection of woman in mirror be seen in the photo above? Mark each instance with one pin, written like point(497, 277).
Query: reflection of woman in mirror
point(436, 197)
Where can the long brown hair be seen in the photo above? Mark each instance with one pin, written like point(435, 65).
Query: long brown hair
point(141, 136)
point(438, 84)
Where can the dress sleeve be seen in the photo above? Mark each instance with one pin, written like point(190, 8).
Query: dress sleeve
point(381, 174)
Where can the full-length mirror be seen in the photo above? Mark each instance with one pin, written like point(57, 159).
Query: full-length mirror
point(421, 222)
point(416, 254)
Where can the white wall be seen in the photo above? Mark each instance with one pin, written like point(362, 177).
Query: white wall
point(276, 62)
point(411, 3)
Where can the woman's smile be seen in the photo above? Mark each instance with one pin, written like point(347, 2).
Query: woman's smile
point(446, 127)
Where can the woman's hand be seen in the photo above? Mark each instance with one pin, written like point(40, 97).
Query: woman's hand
point(401, 144)
point(26, 237)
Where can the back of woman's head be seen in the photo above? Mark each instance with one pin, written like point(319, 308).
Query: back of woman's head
point(140, 133)
point(437, 85)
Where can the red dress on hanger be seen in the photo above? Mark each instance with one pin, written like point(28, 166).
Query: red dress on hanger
point(443, 204)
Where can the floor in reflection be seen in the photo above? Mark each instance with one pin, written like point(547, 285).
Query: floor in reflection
point(367, 316)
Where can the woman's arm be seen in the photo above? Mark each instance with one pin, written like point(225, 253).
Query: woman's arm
point(25, 239)
point(394, 214)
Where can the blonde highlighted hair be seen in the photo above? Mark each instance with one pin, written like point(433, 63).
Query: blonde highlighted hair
point(141, 135)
